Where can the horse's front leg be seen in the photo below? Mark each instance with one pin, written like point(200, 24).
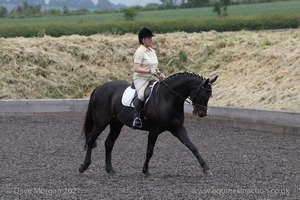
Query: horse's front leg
point(152, 137)
point(181, 134)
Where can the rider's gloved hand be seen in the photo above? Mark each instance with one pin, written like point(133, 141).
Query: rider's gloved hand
point(159, 74)
point(162, 76)
point(153, 72)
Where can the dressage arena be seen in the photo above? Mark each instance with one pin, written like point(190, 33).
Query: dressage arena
point(41, 154)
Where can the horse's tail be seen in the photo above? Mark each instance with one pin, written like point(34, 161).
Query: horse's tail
point(88, 122)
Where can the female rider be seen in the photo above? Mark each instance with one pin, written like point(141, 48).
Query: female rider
point(145, 67)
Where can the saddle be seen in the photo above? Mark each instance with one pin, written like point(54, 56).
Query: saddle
point(129, 96)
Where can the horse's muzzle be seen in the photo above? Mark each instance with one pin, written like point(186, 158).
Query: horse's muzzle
point(200, 113)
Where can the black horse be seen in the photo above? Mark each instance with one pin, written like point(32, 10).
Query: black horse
point(163, 112)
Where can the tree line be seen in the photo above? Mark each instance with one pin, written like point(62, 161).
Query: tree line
point(27, 10)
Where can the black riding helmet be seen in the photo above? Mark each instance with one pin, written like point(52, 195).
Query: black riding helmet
point(144, 33)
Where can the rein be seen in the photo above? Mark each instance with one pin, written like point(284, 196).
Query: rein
point(176, 93)
point(191, 100)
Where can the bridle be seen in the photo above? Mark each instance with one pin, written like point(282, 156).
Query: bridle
point(191, 100)
point(195, 105)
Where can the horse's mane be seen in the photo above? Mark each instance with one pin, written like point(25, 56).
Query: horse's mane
point(180, 74)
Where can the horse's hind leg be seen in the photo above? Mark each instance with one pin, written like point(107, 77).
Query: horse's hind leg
point(90, 142)
point(87, 160)
point(181, 134)
point(115, 129)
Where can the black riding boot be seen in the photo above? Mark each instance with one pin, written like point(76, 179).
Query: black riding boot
point(137, 122)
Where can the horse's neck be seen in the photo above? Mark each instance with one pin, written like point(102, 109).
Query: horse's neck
point(182, 85)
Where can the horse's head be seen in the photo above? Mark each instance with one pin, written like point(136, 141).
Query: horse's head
point(200, 97)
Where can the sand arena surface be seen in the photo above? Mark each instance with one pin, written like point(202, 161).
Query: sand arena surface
point(40, 157)
point(256, 69)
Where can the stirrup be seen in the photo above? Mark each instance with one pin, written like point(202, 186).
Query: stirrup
point(137, 123)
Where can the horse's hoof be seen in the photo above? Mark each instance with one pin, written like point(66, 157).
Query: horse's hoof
point(207, 172)
point(82, 168)
point(110, 171)
point(146, 173)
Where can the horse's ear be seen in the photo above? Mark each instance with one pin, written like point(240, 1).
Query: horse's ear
point(206, 81)
point(213, 80)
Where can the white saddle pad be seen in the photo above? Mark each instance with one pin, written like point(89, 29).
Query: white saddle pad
point(129, 93)
point(128, 96)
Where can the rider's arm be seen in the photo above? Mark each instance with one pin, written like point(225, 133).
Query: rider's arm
point(138, 68)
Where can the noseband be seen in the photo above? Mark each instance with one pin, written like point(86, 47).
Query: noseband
point(196, 95)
